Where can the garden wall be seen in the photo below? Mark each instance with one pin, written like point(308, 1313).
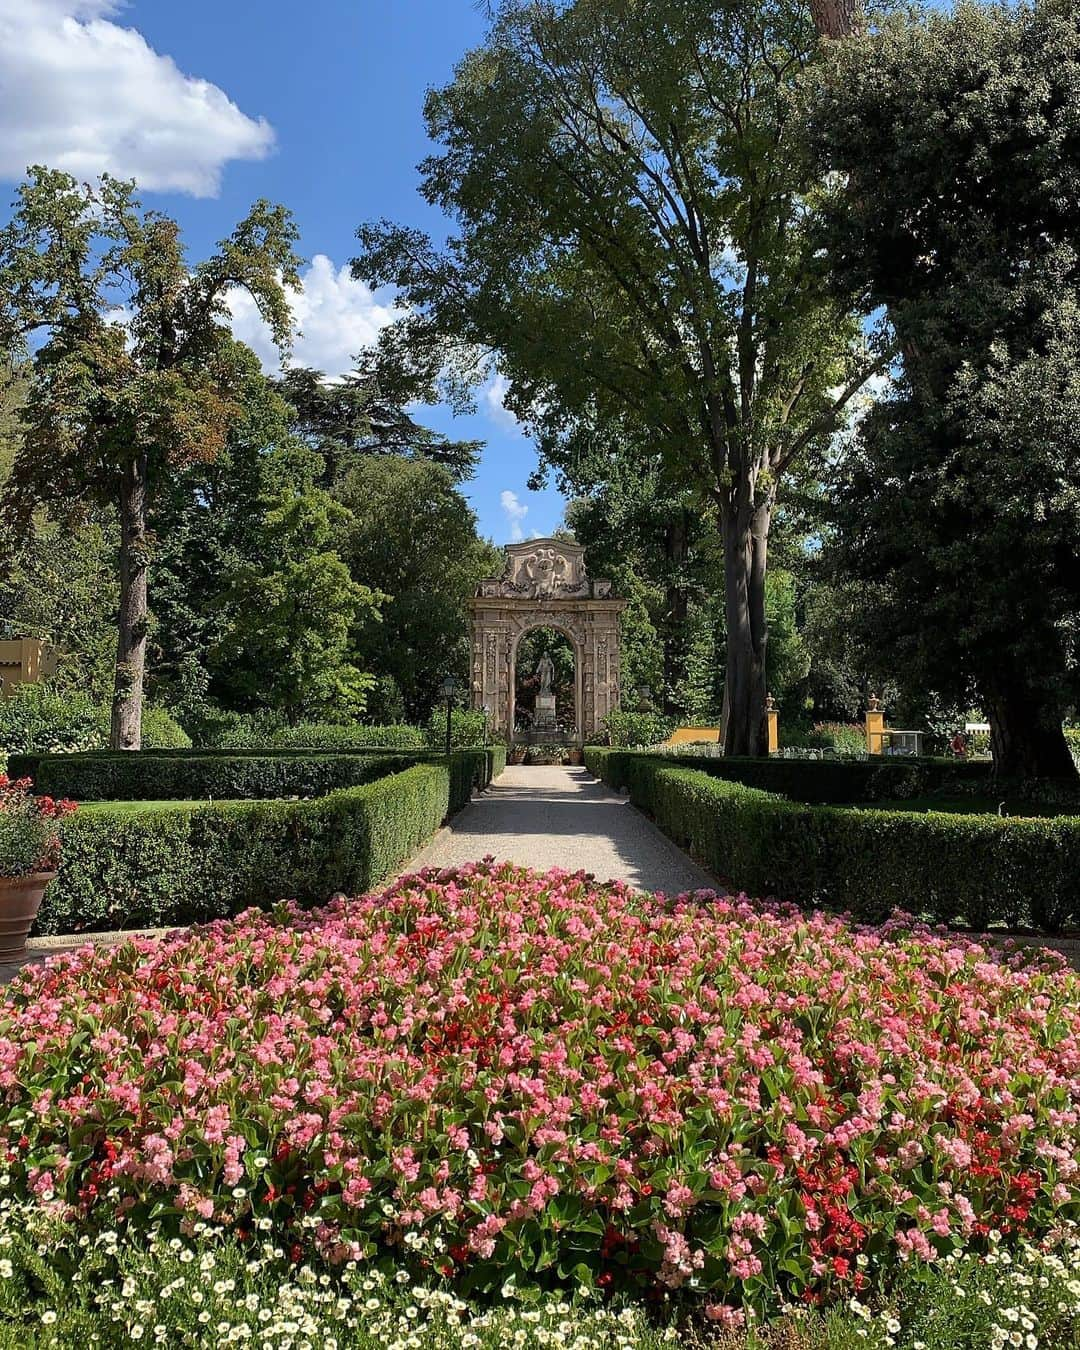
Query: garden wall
point(972, 870)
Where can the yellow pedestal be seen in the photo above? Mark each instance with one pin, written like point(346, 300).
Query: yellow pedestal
point(875, 731)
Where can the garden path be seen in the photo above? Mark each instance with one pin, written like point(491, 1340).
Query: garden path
point(552, 816)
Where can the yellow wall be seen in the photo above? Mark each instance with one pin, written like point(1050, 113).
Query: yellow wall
point(688, 735)
point(24, 661)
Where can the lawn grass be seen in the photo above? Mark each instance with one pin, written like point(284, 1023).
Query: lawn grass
point(135, 808)
point(967, 806)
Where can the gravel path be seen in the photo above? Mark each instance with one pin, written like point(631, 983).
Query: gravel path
point(550, 816)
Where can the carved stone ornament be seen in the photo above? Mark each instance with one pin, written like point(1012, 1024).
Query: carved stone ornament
point(544, 569)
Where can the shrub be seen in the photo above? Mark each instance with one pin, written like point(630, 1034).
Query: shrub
point(161, 731)
point(467, 728)
point(268, 731)
point(637, 728)
point(37, 718)
point(29, 829)
point(1072, 737)
point(325, 736)
point(535, 1079)
point(843, 738)
point(229, 775)
point(835, 781)
point(126, 867)
point(977, 870)
point(126, 776)
point(183, 864)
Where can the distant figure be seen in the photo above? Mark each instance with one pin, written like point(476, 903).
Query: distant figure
point(545, 668)
point(958, 745)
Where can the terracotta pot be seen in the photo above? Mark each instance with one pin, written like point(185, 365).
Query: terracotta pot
point(20, 900)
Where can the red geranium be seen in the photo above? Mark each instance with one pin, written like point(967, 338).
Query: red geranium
point(29, 829)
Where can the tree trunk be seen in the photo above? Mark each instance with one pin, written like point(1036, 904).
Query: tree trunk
point(837, 18)
point(126, 733)
point(746, 540)
point(1026, 736)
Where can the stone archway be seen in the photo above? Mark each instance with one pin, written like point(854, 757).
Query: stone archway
point(545, 585)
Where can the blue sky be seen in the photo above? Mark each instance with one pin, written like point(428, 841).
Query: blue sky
point(212, 103)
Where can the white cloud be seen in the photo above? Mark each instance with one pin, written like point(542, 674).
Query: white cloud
point(515, 513)
point(86, 95)
point(335, 317)
point(493, 401)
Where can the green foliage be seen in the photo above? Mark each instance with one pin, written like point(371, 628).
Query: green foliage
point(290, 642)
point(266, 731)
point(122, 395)
point(410, 533)
point(843, 738)
point(209, 523)
point(349, 421)
point(976, 870)
point(39, 717)
point(327, 736)
point(632, 244)
point(161, 731)
point(61, 585)
point(788, 659)
point(959, 506)
point(145, 776)
point(467, 728)
point(637, 728)
point(44, 718)
point(190, 864)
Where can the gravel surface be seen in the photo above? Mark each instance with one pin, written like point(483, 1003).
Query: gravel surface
point(550, 816)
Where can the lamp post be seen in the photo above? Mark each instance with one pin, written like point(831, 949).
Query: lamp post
point(448, 689)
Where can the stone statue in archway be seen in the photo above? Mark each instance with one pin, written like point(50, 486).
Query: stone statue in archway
point(545, 668)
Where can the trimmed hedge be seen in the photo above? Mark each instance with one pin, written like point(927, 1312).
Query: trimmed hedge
point(186, 864)
point(974, 870)
point(186, 775)
point(150, 777)
point(844, 781)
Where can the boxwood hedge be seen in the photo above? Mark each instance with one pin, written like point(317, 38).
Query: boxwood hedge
point(973, 870)
point(145, 775)
point(182, 864)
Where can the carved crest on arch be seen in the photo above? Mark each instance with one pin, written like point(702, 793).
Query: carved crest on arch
point(538, 569)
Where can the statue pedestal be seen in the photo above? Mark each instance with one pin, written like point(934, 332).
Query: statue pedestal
point(544, 713)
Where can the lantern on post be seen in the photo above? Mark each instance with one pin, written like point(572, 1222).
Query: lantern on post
point(447, 690)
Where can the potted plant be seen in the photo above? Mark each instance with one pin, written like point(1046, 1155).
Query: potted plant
point(29, 857)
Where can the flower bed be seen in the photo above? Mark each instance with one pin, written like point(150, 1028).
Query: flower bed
point(495, 1076)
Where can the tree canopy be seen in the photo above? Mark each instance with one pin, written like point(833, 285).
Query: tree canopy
point(632, 244)
point(959, 507)
point(134, 372)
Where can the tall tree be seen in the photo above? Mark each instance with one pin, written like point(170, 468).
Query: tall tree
point(208, 522)
point(632, 242)
point(411, 534)
point(290, 640)
point(960, 505)
point(134, 369)
point(369, 413)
